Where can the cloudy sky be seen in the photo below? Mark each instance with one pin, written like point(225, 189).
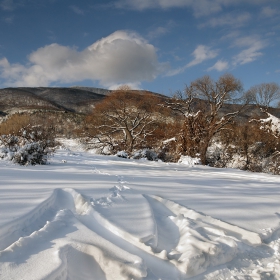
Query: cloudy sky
point(159, 45)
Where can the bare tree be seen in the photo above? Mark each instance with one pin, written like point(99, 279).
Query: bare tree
point(264, 94)
point(201, 105)
point(124, 119)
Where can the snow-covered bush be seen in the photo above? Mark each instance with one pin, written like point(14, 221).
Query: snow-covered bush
point(31, 153)
point(272, 164)
point(145, 153)
point(221, 155)
point(169, 150)
point(187, 160)
point(31, 145)
point(247, 147)
point(122, 154)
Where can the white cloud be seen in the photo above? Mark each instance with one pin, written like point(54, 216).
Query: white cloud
point(9, 19)
point(200, 54)
point(148, 4)
point(230, 36)
point(206, 7)
point(252, 45)
point(157, 32)
point(122, 57)
point(268, 12)
point(161, 30)
point(51, 35)
point(200, 7)
point(77, 10)
point(7, 5)
point(270, 33)
point(228, 19)
point(131, 85)
point(220, 65)
point(175, 72)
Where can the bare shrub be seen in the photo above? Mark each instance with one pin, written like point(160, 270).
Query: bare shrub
point(14, 123)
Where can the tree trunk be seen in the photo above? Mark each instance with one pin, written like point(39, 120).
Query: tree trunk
point(203, 151)
point(130, 141)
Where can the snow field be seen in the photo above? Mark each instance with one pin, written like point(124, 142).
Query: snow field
point(93, 217)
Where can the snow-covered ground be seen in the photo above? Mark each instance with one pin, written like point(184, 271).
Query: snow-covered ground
point(85, 216)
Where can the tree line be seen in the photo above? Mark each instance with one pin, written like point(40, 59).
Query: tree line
point(205, 120)
point(189, 123)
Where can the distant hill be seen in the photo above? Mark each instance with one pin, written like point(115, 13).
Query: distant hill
point(74, 99)
point(101, 91)
point(248, 112)
point(79, 99)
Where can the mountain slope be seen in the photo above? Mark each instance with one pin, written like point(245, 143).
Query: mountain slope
point(82, 99)
point(79, 100)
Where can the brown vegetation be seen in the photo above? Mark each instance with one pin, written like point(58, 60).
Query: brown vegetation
point(203, 121)
point(264, 94)
point(126, 120)
point(201, 105)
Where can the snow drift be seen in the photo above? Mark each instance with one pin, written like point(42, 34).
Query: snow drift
point(94, 217)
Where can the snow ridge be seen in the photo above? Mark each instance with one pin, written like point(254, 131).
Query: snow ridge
point(126, 230)
point(83, 228)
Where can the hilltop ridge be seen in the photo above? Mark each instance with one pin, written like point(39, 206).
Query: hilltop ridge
point(79, 99)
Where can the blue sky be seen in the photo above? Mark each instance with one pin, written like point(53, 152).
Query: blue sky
point(158, 45)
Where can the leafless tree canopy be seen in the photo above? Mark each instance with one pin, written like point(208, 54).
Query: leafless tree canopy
point(217, 92)
point(264, 94)
point(124, 119)
point(201, 106)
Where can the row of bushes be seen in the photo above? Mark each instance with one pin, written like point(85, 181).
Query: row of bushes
point(245, 146)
